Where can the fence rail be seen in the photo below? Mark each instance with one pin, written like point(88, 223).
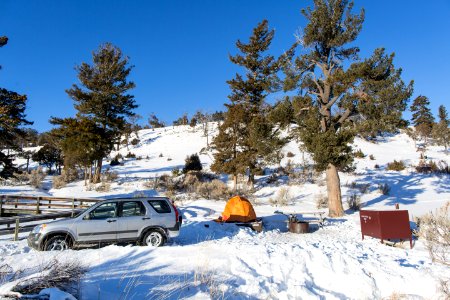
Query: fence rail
point(16, 204)
point(31, 209)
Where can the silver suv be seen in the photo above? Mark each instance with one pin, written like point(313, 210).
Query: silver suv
point(148, 221)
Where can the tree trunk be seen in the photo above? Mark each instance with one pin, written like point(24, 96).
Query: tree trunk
point(335, 208)
point(235, 182)
point(98, 171)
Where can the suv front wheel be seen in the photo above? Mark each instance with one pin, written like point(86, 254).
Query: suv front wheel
point(58, 243)
point(154, 238)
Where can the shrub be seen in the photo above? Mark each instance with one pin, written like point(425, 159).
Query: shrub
point(371, 157)
point(364, 188)
point(190, 181)
point(134, 142)
point(376, 166)
point(396, 166)
point(290, 154)
point(169, 159)
point(384, 188)
point(176, 172)
point(109, 176)
point(115, 161)
point(215, 189)
point(282, 198)
point(431, 167)
point(20, 178)
point(103, 187)
point(161, 155)
point(36, 177)
point(59, 182)
point(192, 163)
point(359, 154)
point(63, 275)
point(354, 202)
point(321, 201)
point(435, 230)
point(130, 155)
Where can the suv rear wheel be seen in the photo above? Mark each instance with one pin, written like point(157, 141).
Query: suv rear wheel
point(58, 243)
point(154, 238)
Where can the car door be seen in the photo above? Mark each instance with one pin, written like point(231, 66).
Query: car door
point(100, 224)
point(132, 218)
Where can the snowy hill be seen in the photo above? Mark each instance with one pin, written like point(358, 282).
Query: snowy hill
point(224, 261)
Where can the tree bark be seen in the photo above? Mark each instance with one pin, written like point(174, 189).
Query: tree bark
point(235, 182)
point(98, 171)
point(335, 208)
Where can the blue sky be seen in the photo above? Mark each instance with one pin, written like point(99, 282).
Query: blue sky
point(180, 48)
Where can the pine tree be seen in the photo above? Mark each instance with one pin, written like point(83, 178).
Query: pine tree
point(82, 142)
point(441, 130)
point(103, 96)
point(422, 118)
point(12, 118)
point(334, 99)
point(49, 156)
point(258, 141)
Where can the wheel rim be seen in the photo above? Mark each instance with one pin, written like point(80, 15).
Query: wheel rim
point(154, 239)
point(58, 245)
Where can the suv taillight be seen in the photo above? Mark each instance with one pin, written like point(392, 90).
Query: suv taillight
point(177, 214)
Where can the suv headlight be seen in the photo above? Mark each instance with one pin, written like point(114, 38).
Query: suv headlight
point(38, 228)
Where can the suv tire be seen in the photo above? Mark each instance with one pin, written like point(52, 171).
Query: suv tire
point(58, 243)
point(154, 237)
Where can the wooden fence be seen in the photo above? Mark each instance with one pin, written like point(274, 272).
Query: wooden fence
point(15, 204)
point(26, 209)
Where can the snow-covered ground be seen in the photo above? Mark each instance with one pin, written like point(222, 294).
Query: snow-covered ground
point(226, 261)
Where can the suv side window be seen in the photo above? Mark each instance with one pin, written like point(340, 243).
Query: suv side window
point(132, 208)
point(160, 206)
point(104, 211)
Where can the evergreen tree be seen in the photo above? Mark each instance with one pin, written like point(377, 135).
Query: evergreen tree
point(192, 163)
point(154, 122)
point(103, 96)
point(422, 118)
point(12, 118)
point(443, 115)
point(441, 130)
point(82, 142)
point(259, 141)
point(49, 156)
point(331, 95)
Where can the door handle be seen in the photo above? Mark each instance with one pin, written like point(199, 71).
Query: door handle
point(110, 221)
point(146, 218)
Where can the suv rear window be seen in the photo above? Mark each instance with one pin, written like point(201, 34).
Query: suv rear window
point(160, 206)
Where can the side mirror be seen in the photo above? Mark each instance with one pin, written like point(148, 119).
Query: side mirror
point(87, 217)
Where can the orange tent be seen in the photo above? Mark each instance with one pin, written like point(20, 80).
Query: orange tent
point(238, 209)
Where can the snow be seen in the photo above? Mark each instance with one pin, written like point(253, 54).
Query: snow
point(226, 261)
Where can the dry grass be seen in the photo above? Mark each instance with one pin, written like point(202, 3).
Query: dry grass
point(321, 201)
point(282, 198)
point(63, 275)
point(36, 177)
point(396, 166)
point(215, 189)
point(384, 188)
point(435, 230)
point(354, 202)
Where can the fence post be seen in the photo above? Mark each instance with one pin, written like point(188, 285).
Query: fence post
point(49, 203)
point(38, 202)
point(16, 230)
point(1, 204)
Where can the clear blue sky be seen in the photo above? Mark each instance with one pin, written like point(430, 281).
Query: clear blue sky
point(180, 48)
